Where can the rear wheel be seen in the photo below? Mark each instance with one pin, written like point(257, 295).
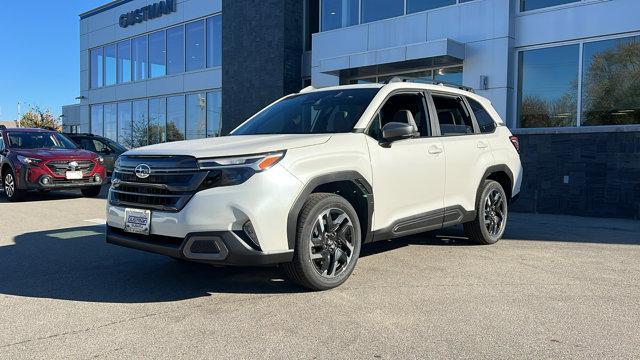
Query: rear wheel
point(11, 192)
point(93, 191)
point(327, 244)
point(491, 217)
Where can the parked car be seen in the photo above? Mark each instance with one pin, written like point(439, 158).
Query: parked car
point(309, 179)
point(38, 159)
point(107, 148)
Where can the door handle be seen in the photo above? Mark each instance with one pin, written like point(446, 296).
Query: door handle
point(433, 149)
point(482, 145)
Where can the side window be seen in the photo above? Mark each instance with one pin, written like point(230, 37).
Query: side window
point(87, 144)
point(485, 121)
point(453, 116)
point(392, 109)
point(1, 142)
point(100, 147)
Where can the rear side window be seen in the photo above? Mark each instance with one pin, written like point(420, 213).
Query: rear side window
point(87, 144)
point(485, 121)
point(453, 116)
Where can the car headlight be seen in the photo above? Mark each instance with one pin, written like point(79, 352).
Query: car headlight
point(228, 171)
point(28, 160)
point(100, 160)
point(258, 162)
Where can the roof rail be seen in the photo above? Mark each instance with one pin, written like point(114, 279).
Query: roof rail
point(431, 82)
point(307, 89)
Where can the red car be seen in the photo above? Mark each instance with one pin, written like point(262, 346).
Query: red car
point(37, 159)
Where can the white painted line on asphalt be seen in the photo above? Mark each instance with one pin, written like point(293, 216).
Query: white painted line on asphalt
point(97, 221)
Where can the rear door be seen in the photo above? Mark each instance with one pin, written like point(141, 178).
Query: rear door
point(467, 153)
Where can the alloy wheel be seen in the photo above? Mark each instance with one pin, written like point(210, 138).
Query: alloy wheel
point(494, 212)
point(332, 243)
point(9, 185)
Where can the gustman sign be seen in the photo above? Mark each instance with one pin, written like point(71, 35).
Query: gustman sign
point(148, 12)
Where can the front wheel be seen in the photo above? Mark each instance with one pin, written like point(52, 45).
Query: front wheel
point(93, 191)
point(491, 216)
point(327, 244)
point(11, 191)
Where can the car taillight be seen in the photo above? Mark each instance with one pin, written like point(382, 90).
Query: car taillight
point(515, 143)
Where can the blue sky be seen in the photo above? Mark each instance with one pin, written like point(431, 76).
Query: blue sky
point(39, 54)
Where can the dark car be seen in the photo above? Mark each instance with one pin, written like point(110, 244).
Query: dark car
point(37, 159)
point(107, 148)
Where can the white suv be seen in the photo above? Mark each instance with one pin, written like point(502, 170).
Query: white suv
point(309, 179)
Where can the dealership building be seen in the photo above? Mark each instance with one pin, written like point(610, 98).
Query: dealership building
point(563, 74)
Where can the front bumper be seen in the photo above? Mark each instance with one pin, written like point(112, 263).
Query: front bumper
point(30, 179)
point(215, 247)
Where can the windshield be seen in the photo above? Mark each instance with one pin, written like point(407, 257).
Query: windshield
point(39, 140)
point(320, 112)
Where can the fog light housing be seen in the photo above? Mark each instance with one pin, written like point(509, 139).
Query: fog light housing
point(250, 235)
point(45, 180)
point(97, 178)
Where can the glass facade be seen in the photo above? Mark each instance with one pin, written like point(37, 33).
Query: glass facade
point(157, 120)
point(610, 89)
point(449, 75)
point(526, 5)
point(193, 46)
point(554, 90)
point(124, 124)
point(196, 126)
point(214, 113)
point(194, 42)
point(97, 120)
point(175, 118)
point(157, 54)
point(337, 14)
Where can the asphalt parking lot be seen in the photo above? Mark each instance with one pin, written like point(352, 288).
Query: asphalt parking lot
point(555, 287)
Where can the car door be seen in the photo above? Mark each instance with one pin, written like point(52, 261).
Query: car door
point(467, 153)
point(408, 175)
point(109, 155)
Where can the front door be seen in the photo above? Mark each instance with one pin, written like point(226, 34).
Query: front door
point(408, 175)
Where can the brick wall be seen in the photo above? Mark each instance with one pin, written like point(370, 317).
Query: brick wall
point(587, 174)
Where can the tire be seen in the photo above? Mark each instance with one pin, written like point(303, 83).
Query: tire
point(93, 191)
point(11, 193)
point(335, 250)
point(491, 215)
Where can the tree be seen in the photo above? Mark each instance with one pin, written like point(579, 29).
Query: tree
point(37, 118)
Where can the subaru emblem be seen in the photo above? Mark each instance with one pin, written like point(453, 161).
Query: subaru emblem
point(143, 171)
point(73, 165)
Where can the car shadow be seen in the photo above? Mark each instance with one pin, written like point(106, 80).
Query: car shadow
point(38, 196)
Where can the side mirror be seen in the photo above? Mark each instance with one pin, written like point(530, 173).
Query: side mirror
point(394, 131)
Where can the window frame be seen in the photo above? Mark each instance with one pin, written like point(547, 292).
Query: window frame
point(425, 105)
point(519, 10)
point(514, 124)
point(465, 106)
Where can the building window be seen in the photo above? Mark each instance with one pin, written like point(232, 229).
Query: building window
point(175, 50)
point(373, 10)
point(450, 75)
point(157, 55)
point(124, 62)
point(422, 5)
point(110, 64)
point(196, 116)
point(139, 57)
point(175, 118)
point(195, 45)
point(526, 5)
point(157, 120)
point(214, 41)
point(548, 87)
point(610, 90)
point(111, 121)
point(339, 13)
point(124, 124)
point(214, 113)
point(96, 64)
point(140, 124)
point(97, 120)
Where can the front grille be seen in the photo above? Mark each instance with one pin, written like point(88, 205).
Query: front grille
point(60, 167)
point(171, 184)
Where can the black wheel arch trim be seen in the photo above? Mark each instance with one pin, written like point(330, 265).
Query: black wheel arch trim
point(358, 179)
point(491, 170)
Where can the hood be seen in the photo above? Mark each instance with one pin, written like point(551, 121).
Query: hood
point(56, 154)
point(231, 145)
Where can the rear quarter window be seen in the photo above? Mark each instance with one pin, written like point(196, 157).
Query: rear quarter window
point(485, 121)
